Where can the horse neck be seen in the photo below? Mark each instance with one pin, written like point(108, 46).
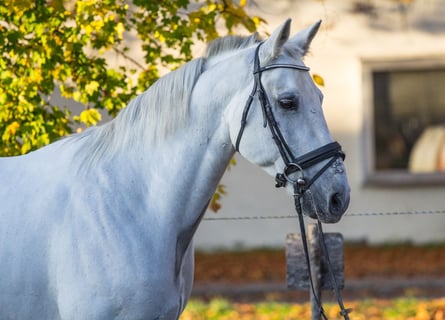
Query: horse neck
point(178, 173)
point(182, 171)
point(196, 156)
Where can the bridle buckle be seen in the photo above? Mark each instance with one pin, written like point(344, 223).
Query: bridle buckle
point(299, 182)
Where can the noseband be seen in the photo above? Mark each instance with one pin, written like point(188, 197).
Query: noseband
point(293, 164)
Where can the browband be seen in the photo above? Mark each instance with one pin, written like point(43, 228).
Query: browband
point(288, 66)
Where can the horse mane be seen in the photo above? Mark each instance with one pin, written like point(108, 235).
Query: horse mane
point(229, 43)
point(153, 115)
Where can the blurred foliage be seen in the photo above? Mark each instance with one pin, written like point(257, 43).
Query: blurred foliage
point(81, 49)
point(398, 309)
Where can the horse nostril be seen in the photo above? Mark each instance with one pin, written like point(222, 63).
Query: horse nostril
point(336, 204)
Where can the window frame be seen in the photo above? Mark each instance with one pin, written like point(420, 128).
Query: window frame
point(392, 177)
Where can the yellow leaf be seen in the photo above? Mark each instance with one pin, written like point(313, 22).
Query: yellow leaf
point(88, 29)
point(91, 87)
point(90, 117)
point(25, 147)
point(318, 80)
point(242, 3)
point(257, 21)
point(120, 30)
point(210, 8)
point(159, 36)
point(215, 205)
point(97, 24)
point(77, 96)
point(11, 129)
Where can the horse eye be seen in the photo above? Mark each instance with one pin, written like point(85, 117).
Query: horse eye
point(288, 103)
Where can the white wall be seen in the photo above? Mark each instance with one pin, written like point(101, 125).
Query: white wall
point(336, 54)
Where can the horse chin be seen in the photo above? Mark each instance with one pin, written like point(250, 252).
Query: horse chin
point(328, 210)
point(329, 218)
point(319, 213)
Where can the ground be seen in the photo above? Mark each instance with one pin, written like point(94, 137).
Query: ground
point(376, 271)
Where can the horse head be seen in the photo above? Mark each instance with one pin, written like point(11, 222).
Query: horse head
point(282, 127)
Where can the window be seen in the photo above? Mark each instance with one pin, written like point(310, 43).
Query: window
point(405, 121)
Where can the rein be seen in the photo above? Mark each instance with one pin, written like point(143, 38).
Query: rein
point(294, 165)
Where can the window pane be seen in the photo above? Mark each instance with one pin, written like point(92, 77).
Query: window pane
point(408, 106)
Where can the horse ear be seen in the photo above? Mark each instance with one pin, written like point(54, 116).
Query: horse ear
point(272, 46)
point(302, 40)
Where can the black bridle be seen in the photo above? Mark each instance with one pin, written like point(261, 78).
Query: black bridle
point(293, 164)
point(331, 151)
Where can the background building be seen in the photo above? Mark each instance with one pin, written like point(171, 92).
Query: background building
point(383, 63)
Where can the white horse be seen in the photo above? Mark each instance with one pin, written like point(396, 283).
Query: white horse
point(99, 225)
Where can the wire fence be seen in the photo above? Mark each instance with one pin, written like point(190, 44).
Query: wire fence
point(358, 214)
